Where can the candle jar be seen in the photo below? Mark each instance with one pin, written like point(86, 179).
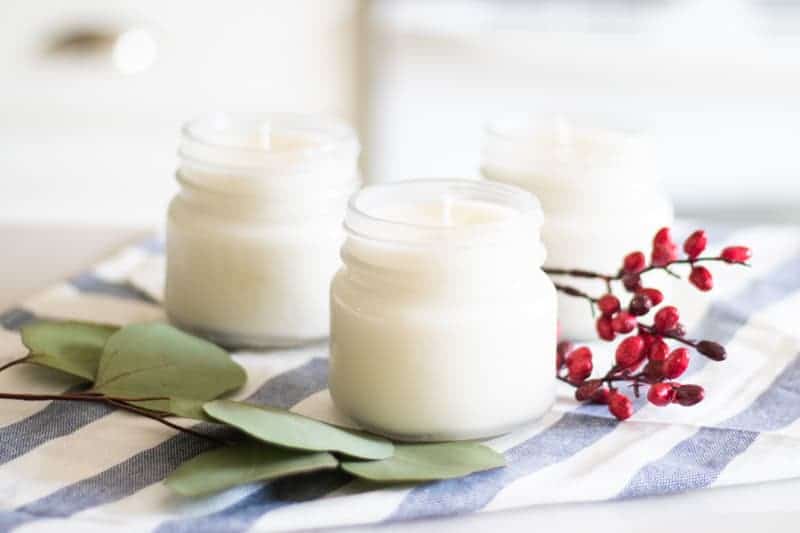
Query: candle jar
point(443, 324)
point(600, 196)
point(254, 233)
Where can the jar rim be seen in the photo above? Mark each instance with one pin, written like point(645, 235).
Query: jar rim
point(519, 126)
point(567, 149)
point(363, 223)
point(204, 142)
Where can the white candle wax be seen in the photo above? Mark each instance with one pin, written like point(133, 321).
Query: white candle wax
point(599, 192)
point(442, 322)
point(253, 236)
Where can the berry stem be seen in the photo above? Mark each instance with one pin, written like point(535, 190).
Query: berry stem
point(682, 340)
point(572, 291)
point(577, 293)
point(588, 274)
point(580, 273)
point(609, 378)
point(643, 358)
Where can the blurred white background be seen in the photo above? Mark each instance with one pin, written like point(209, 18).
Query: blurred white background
point(92, 92)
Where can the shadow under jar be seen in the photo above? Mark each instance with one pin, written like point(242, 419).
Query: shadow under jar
point(443, 325)
point(599, 191)
point(254, 233)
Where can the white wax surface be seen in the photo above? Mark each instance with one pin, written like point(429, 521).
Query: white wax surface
point(443, 341)
point(446, 212)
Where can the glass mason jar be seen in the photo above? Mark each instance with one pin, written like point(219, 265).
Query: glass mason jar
point(599, 191)
point(253, 235)
point(443, 325)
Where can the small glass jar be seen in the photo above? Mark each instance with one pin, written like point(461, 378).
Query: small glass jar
point(599, 191)
point(254, 233)
point(443, 325)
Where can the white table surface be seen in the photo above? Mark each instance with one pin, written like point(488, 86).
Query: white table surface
point(36, 255)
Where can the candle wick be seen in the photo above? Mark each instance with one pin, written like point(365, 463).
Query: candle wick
point(265, 136)
point(564, 136)
point(447, 211)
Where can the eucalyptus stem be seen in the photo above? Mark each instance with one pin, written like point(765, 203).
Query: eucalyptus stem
point(153, 415)
point(114, 401)
point(13, 363)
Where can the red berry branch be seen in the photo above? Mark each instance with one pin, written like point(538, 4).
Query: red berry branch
point(644, 358)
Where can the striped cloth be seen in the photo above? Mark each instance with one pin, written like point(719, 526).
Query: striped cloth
point(68, 465)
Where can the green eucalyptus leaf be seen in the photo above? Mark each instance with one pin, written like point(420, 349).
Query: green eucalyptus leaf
point(71, 347)
point(242, 463)
point(427, 462)
point(155, 360)
point(290, 430)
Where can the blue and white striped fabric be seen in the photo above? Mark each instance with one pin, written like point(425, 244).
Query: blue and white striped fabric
point(68, 465)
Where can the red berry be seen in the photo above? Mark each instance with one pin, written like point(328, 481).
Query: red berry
point(634, 262)
point(608, 304)
point(676, 363)
point(701, 278)
point(663, 237)
point(678, 331)
point(587, 389)
point(579, 364)
point(661, 394)
point(653, 371)
point(712, 350)
point(695, 244)
point(601, 396)
point(666, 319)
point(632, 282)
point(655, 295)
point(604, 328)
point(736, 254)
point(689, 395)
point(647, 338)
point(620, 405)
point(640, 304)
point(658, 351)
point(581, 352)
point(630, 352)
point(663, 254)
point(623, 322)
point(562, 349)
point(579, 369)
